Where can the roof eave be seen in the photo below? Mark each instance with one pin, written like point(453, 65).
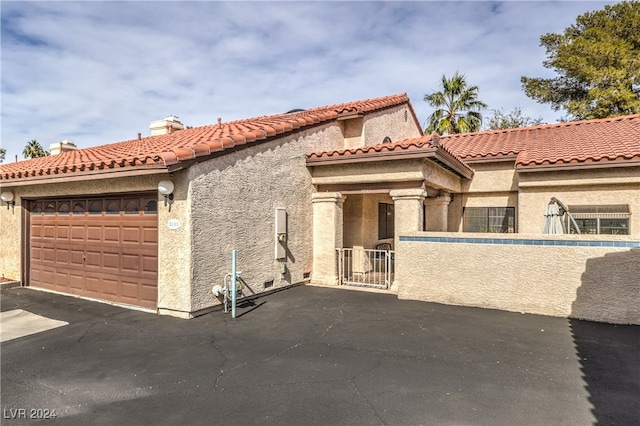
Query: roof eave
point(79, 176)
point(491, 159)
point(431, 153)
point(578, 166)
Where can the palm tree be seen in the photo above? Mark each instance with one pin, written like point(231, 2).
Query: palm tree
point(33, 149)
point(458, 108)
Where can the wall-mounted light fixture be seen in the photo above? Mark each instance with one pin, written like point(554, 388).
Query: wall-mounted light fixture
point(7, 197)
point(165, 187)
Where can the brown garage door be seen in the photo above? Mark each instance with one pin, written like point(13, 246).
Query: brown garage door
point(105, 248)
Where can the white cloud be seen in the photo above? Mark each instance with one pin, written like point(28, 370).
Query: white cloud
point(99, 72)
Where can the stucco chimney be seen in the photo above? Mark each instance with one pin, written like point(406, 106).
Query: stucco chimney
point(60, 147)
point(166, 125)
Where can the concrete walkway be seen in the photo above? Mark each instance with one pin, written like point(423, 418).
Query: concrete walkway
point(317, 356)
point(18, 323)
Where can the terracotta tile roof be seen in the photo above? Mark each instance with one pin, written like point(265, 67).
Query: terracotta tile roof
point(180, 148)
point(578, 143)
point(422, 147)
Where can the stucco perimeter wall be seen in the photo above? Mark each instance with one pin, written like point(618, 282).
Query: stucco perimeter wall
point(586, 277)
point(235, 198)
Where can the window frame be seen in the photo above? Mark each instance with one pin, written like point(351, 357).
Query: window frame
point(595, 214)
point(511, 223)
point(386, 227)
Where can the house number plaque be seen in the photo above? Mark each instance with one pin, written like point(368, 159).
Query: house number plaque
point(173, 224)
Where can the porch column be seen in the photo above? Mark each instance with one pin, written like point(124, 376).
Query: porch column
point(408, 211)
point(327, 236)
point(437, 213)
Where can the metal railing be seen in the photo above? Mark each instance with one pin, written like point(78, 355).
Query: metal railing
point(366, 268)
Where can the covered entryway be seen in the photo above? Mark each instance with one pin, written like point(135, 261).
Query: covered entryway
point(367, 197)
point(104, 248)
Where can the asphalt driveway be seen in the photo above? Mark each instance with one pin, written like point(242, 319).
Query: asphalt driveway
point(316, 356)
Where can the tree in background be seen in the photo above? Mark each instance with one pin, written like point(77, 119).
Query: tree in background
point(3, 152)
point(598, 62)
point(33, 149)
point(501, 120)
point(458, 109)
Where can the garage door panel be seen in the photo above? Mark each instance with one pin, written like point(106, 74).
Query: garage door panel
point(76, 257)
point(93, 258)
point(94, 234)
point(150, 264)
point(110, 255)
point(130, 263)
point(48, 232)
point(130, 290)
point(131, 234)
point(77, 233)
point(93, 285)
point(111, 261)
point(150, 235)
point(111, 234)
point(147, 295)
point(48, 254)
point(110, 287)
point(36, 231)
point(36, 254)
point(62, 232)
point(62, 256)
point(76, 281)
point(47, 276)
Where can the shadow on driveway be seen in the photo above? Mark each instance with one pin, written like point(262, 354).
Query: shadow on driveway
point(609, 357)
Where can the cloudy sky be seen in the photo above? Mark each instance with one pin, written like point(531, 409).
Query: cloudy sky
point(100, 72)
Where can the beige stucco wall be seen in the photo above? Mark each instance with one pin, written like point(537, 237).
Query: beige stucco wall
point(173, 245)
point(11, 239)
point(396, 123)
point(500, 185)
point(234, 202)
point(374, 172)
point(437, 177)
point(599, 187)
point(594, 283)
point(533, 203)
point(327, 236)
point(397, 171)
point(492, 177)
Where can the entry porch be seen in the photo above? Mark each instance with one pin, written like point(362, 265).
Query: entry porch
point(364, 202)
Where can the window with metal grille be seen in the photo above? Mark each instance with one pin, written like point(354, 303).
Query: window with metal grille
point(489, 219)
point(602, 219)
point(386, 220)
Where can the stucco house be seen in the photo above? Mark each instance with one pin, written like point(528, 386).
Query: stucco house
point(362, 198)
